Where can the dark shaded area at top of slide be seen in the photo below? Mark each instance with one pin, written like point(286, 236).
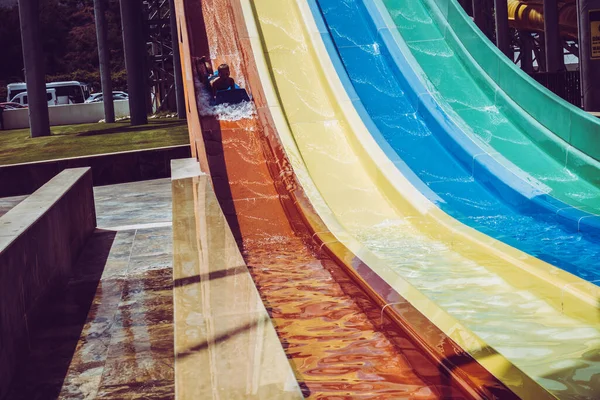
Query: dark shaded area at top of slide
point(382, 91)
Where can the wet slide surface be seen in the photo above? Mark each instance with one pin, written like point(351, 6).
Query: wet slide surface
point(577, 129)
point(331, 331)
point(537, 146)
point(464, 279)
point(377, 80)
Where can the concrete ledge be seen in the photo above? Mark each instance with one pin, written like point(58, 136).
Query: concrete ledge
point(107, 169)
point(225, 344)
point(40, 240)
point(66, 114)
point(185, 168)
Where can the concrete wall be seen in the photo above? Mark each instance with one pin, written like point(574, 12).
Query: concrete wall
point(107, 169)
point(40, 240)
point(203, 245)
point(66, 114)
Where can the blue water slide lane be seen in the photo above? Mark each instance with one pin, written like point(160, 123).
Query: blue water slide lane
point(485, 165)
point(516, 190)
point(435, 154)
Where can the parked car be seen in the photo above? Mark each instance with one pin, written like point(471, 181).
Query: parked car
point(11, 106)
point(67, 92)
point(23, 99)
point(97, 97)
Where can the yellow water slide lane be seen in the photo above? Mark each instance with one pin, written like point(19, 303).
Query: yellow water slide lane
point(518, 316)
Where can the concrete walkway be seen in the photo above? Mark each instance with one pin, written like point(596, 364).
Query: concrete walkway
point(108, 334)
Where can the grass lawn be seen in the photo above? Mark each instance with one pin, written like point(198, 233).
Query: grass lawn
point(81, 140)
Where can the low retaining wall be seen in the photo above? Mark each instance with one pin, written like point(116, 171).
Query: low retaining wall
point(107, 169)
point(66, 114)
point(221, 325)
point(40, 240)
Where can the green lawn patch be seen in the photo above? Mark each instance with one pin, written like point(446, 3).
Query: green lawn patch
point(16, 146)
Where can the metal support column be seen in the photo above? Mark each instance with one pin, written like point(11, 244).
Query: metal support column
point(502, 34)
point(466, 5)
point(33, 59)
point(179, 94)
point(135, 54)
point(479, 13)
point(589, 53)
point(526, 52)
point(100, 7)
point(553, 43)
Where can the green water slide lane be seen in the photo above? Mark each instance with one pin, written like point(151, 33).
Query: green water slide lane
point(521, 124)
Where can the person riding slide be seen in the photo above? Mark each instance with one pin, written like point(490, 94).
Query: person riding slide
point(224, 81)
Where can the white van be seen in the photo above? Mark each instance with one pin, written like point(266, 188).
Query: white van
point(22, 99)
point(68, 92)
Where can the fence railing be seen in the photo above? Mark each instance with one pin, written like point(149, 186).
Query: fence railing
point(564, 84)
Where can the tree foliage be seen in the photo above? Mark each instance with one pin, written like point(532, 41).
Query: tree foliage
point(69, 43)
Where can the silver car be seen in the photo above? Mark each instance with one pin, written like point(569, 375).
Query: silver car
point(97, 97)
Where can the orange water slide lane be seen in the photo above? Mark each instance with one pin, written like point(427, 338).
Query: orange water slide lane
point(330, 329)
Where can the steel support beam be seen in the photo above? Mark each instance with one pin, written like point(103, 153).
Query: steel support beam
point(526, 52)
point(467, 6)
point(35, 75)
point(135, 53)
point(100, 7)
point(179, 93)
point(589, 51)
point(479, 13)
point(502, 34)
point(553, 43)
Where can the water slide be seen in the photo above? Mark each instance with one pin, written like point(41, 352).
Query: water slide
point(466, 283)
point(443, 160)
point(501, 107)
point(357, 189)
point(337, 339)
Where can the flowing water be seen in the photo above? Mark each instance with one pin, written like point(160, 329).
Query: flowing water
point(222, 112)
point(420, 147)
point(560, 352)
point(323, 320)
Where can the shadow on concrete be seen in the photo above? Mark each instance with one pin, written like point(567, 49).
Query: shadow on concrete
point(56, 328)
point(221, 338)
point(190, 280)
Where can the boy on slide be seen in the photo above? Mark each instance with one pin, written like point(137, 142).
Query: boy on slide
point(224, 81)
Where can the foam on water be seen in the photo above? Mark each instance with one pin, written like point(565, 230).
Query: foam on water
point(410, 14)
point(434, 47)
point(581, 195)
point(223, 112)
